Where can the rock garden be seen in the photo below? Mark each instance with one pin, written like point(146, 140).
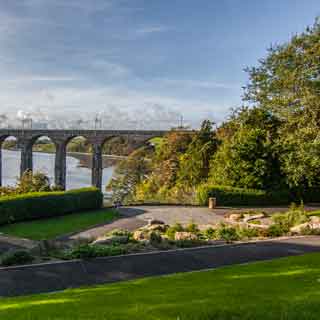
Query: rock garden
point(238, 226)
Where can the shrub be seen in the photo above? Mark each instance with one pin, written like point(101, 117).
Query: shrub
point(227, 233)
point(294, 216)
point(312, 195)
point(277, 230)
point(307, 231)
point(229, 196)
point(120, 233)
point(209, 234)
point(17, 257)
point(189, 243)
point(248, 233)
point(192, 227)
point(87, 251)
point(155, 238)
point(39, 205)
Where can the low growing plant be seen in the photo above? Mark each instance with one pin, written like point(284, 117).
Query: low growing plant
point(284, 221)
point(16, 258)
point(192, 227)
point(171, 231)
point(227, 233)
point(248, 233)
point(88, 251)
point(209, 234)
point(155, 238)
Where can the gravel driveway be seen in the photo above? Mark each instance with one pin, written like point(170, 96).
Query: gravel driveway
point(135, 217)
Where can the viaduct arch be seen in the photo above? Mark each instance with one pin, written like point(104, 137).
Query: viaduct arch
point(60, 138)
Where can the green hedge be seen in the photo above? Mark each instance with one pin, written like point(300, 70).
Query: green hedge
point(312, 195)
point(39, 205)
point(230, 196)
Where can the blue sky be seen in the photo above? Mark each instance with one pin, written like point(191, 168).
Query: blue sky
point(127, 58)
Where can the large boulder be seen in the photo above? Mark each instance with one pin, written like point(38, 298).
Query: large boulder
point(185, 236)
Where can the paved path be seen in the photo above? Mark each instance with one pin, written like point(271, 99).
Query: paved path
point(58, 276)
point(136, 217)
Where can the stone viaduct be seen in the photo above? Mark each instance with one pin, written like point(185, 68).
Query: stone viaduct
point(27, 137)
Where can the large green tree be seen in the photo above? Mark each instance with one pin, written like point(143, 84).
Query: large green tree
point(195, 162)
point(247, 157)
point(287, 84)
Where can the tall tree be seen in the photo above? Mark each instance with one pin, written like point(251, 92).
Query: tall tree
point(195, 163)
point(287, 84)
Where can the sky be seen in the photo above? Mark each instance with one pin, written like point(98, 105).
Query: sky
point(140, 63)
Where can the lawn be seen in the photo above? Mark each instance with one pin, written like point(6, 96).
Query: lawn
point(314, 213)
point(286, 288)
point(53, 227)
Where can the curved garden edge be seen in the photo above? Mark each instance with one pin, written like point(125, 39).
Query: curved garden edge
point(210, 246)
point(60, 275)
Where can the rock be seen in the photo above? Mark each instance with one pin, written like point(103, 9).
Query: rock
point(315, 220)
point(258, 226)
point(185, 236)
point(234, 217)
point(157, 227)
point(312, 224)
point(300, 227)
point(141, 235)
point(111, 240)
point(155, 222)
point(250, 217)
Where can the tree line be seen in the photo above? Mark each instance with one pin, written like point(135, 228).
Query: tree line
point(271, 142)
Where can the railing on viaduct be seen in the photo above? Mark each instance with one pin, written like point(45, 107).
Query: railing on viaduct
point(60, 138)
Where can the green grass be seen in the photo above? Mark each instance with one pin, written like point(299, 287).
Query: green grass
point(314, 213)
point(53, 227)
point(281, 289)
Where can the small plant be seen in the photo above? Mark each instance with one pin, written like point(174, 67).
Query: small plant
point(294, 216)
point(188, 243)
point(155, 238)
point(277, 230)
point(88, 251)
point(248, 233)
point(209, 234)
point(171, 231)
point(258, 222)
point(17, 257)
point(120, 233)
point(307, 231)
point(227, 233)
point(192, 227)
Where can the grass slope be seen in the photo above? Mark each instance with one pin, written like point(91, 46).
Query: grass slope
point(281, 289)
point(53, 227)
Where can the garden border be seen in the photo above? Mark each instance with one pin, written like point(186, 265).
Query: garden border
point(57, 276)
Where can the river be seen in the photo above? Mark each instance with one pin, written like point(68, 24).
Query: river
point(77, 176)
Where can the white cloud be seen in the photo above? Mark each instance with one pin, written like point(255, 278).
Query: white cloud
point(122, 108)
point(151, 29)
point(204, 84)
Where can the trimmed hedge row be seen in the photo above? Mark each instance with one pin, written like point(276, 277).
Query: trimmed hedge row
point(231, 196)
point(40, 205)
